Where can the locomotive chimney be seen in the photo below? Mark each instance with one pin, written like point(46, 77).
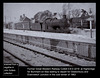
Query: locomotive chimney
point(64, 16)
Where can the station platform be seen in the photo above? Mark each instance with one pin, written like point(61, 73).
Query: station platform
point(58, 36)
point(75, 45)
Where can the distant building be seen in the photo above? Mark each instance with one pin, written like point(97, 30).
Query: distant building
point(9, 25)
point(24, 22)
point(32, 20)
point(24, 18)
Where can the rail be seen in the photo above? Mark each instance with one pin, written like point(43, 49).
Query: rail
point(47, 55)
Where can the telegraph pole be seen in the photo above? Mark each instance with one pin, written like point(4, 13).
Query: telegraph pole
point(5, 22)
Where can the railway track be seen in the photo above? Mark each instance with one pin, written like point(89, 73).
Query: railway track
point(46, 55)
point(12, 57)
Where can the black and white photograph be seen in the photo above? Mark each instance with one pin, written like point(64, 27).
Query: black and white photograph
point(49, 34)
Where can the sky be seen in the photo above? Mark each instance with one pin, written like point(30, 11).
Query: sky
point(12, 11)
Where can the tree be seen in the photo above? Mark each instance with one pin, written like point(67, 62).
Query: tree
point(37, 16)
point(60, 15)
point(41, 16)
point(76, 12)
point(66, 9)
point(84, 14)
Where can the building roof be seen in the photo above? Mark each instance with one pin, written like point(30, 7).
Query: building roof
point(26, 19)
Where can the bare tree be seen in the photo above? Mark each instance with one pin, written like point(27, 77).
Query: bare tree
point(41, 16)
point(60, 14)
point(76, 12)
point(84, 13)
point(66, 9)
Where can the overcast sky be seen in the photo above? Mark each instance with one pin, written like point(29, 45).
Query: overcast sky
point(12, 11)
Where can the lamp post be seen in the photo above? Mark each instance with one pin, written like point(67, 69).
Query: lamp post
point(90, 19)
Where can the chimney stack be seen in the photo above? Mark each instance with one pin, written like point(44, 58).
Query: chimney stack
point(21, 18)
point(24, 16)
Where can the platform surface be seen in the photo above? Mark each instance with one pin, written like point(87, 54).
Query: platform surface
point(59, 36)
